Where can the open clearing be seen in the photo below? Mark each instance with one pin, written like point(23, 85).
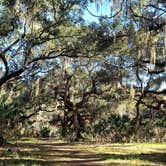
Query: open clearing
point(32, 152)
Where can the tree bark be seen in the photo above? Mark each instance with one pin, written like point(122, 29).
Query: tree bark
point(76, 124)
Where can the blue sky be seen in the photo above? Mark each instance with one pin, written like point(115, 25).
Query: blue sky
point(102, 10)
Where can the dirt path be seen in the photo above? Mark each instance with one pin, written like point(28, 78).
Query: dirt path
point(39, 152)
point(50, 154)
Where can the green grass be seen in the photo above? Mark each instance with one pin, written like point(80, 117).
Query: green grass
point(41, 152)
point(132, 153)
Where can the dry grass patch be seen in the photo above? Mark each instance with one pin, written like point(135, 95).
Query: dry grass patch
point(50, 152)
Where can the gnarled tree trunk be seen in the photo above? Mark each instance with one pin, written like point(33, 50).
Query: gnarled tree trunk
point(76, 125)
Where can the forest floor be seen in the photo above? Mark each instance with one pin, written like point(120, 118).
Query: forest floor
point(39, 152)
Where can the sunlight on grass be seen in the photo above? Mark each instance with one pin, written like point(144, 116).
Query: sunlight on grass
point(132, 153)
point(44, 152)
point(128, 148)
point(134, 162)
point(25, 139)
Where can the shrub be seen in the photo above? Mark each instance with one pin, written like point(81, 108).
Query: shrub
point(45, 131)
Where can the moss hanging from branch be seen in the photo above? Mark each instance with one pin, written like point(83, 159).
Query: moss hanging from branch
point(37, 87)
point(153, 54)
point(132, 92)
point(164, 37)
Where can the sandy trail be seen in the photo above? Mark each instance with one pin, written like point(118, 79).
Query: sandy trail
point(50, 154)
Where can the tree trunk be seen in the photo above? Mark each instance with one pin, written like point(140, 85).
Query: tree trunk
point(137, 117)
point(76, 125)
point(64, 123)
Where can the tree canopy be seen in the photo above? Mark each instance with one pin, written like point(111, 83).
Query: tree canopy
point(53, 61)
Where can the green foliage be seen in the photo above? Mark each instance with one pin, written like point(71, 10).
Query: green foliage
point(8, 19)
point(161, 122)
point(3, 141)
point(53, 61)
point(115, 128)
point(45, 131)
point(11, 116)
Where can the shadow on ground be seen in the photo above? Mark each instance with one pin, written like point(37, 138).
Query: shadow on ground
point(54, 154)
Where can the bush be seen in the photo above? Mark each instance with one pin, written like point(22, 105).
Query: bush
point(45, 131)
point(2, 141)
point(114, 128)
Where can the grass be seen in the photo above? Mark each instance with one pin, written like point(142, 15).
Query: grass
point(42, 152)
point(133, 153)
